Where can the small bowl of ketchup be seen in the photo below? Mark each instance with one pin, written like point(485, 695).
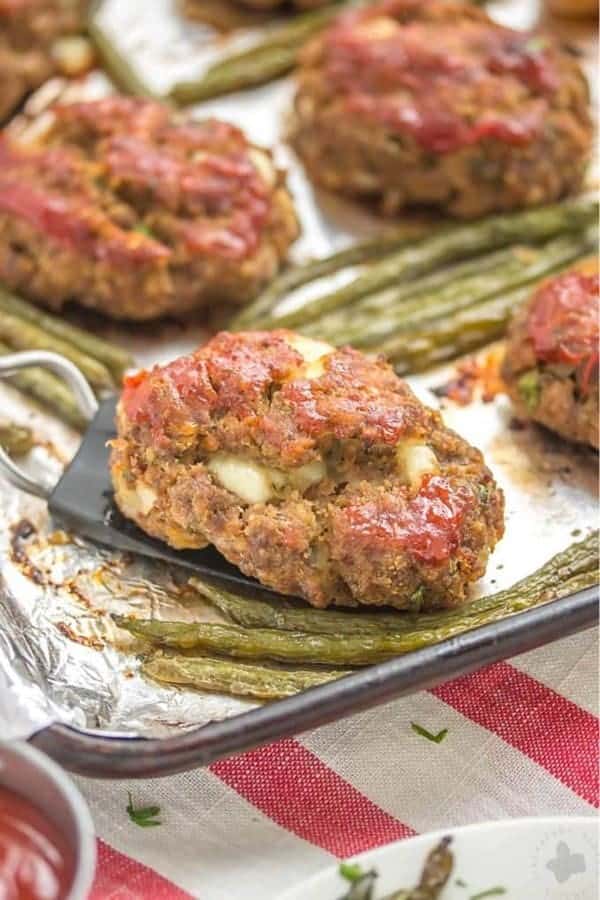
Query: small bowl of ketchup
point(47, 844)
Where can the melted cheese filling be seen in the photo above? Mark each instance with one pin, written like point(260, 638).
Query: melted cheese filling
point(313, 354)
point(253, 482)
point(136, 501)
point(264, 166)
point(415, 461)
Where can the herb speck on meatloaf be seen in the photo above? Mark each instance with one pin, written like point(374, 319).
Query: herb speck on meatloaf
point(316, 471)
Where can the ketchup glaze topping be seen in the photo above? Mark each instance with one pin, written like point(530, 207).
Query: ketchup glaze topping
point(563, 322)
point(447, 83)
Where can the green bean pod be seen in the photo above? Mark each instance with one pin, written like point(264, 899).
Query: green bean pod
point(282, 614)
point(116, 360)
point(305, 273)
point(240, 679)
point(17, 440)
point(362, 650)
point(451, 245)
point(271, 58)
point(521, 266)
point(23, 335)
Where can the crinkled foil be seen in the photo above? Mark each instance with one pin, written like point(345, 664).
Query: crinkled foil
point(60, 656)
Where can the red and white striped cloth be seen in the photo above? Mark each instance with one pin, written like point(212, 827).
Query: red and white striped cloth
point(522, 740)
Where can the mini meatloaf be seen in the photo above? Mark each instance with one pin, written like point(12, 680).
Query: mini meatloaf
point(126, 208)
point(551, 363)
point(428, 102)
point(28, 31)
point(316, 471)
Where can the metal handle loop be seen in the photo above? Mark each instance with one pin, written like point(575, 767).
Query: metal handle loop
point(84, 397)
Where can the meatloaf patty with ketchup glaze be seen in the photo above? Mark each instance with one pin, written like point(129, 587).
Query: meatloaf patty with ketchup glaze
point(429, 102)
point(28, 31)
point(125, 207)
point(316, 471)
point(551, 363)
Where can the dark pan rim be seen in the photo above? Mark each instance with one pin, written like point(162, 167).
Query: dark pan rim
point(101, 756)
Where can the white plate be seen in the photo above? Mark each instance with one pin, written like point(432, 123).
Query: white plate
point(531, 859)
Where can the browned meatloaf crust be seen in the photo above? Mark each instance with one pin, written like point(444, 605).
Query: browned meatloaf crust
point(315, 470)
point(429, 102)
point(28, 29)
point(124, 207)
point(551, 363)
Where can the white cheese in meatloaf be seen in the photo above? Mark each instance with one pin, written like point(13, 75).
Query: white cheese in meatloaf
point(415, 461)
point(312, 352)
point(255, 483)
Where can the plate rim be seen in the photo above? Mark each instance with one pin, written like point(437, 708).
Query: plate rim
point(524, 822)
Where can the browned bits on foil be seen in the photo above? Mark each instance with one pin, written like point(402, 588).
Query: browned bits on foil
point(474, 375)
point(20, 532)
point(87, 640)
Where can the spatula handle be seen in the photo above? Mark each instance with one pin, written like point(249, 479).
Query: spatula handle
point(84, 397)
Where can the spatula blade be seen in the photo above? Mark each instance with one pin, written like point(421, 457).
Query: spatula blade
point(83, 501)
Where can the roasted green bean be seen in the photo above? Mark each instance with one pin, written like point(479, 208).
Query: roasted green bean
point(518, 267)
point(239, 679)
point(445, 339)
point(361, 650)
point(23, 335)
point(273, 63)
point(577, 561)
point(271, 58)
point(118, 67)
point(290, 615)
point(342, 325)
point(15, 439)
point(450, 245)
point(116, 360)
point(297, 276)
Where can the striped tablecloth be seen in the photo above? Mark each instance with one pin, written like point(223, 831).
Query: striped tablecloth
point(522, 740)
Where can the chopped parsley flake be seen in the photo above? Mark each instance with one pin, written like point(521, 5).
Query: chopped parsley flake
point(141, 228)
point(144, 816)
point(435, 738)
point(528, 387)
point(491, 892)
point(351, 871)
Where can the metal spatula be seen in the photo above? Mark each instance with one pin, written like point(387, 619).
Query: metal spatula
point(82, 499)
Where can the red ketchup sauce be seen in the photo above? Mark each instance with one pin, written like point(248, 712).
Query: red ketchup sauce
point(35, 861)
point(429, 527)
point(426, 80)
point(230, 374)
point(77, 225)
point(563, 323)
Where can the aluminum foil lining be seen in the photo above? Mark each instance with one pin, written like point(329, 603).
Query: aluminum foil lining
point(60, 656)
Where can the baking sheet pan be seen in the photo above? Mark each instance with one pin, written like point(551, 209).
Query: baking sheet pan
point(75, 681)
